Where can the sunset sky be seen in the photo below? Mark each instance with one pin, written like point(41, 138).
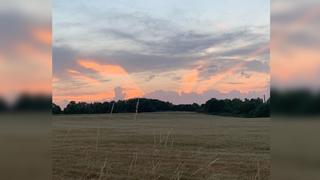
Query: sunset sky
point(295, 44)
point(178, 50)
point(25, 48)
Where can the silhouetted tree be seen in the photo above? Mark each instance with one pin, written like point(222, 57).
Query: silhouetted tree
point(3, 105)
point(56, 109)
point(31, 102)
point(295, 102)
point(235, 107)
point(262, 110)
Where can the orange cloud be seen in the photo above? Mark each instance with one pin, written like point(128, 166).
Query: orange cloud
point(28, 52)
point(132, 92)
point(257, 81)
point(27, 61)
point(18, 83)
point(76, 75)
point(189, 81)
point(102, 69)
point(302, 63)
point(29, 69)
point(117, 74)
point(43, 35)
point(216, 78)
point(225, 81)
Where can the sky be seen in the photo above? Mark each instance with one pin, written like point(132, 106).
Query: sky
point(25, 48)
point(295, 57)
point(179, 50)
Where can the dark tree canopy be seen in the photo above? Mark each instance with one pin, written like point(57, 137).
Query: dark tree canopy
point(237, 107)
point(295, 102)
point(234, 107)
point(56, 109)
point(3, 105)
point(30, 102)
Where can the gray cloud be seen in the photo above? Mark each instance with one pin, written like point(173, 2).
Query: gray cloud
point(150, 44)
point(257, 66)
point(17, 27)
point(244, 74)
point(150, 77)
point(191, 42)
point(205, 72)
point(63, 58)
point(247, 50)
point(162, 46)
point(155, 35)
point(183, 43)
point(138, 62)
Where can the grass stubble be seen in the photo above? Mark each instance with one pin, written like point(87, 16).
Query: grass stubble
point(160, 146)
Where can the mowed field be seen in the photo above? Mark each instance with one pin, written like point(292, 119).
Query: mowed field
point(167, 145)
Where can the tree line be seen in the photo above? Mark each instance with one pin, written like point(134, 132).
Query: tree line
point(295, 102)
point(27, 102)
point(235, 107)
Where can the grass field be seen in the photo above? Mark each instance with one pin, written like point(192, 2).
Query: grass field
point(173, 145)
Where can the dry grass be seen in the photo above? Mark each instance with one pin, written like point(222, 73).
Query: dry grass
point(160, 146)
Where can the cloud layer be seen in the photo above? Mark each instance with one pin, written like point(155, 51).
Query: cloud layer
point(25, 52)
point(148, 51)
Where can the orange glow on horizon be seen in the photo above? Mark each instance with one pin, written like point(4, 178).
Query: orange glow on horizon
point(256, 82)
point(216, 78)
point(115, 74)
point(189, 81)
point(95, 97)
point(30, 53)
point(291, 66)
